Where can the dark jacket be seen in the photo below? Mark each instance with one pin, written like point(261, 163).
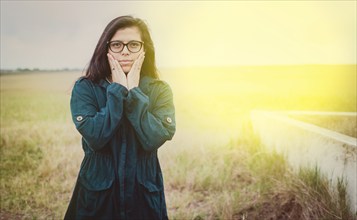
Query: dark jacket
point(120, 176)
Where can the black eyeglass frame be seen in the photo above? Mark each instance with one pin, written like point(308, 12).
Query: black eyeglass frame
point(125, 45)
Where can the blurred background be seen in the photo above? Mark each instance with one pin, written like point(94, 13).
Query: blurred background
point(222, 59)
point(56, 34)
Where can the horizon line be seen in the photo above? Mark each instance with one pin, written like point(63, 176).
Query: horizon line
point(24, 69)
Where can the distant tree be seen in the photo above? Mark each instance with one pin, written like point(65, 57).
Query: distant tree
point(23, 69)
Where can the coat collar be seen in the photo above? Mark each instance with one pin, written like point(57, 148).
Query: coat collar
point(104, 83)
point(145, 81)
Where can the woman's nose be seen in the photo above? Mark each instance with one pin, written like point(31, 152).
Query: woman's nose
point(125, 50)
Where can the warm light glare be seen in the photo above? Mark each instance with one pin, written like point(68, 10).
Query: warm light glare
point(187, 33)
point(259, 33)
point(218, 98)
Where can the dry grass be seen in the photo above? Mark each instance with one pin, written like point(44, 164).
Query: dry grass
point(346, 125)
point(215, 168)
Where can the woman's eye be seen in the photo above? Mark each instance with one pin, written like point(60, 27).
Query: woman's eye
point(116, 44)
point(134, 44)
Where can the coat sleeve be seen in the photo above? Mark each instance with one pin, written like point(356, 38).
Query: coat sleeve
point(96, 126)
point(155, 127)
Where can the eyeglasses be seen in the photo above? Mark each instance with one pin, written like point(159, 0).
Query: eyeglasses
point(117, 46)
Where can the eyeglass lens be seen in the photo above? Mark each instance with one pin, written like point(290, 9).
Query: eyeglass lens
point(132, 46)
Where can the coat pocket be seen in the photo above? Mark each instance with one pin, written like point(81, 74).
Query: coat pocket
point(152, 196)
point(97, 172)
point(151, 191)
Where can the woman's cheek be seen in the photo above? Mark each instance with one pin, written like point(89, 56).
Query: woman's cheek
point(136, 57)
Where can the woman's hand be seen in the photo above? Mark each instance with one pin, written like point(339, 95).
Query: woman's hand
point(134, 74)
point(118, 74)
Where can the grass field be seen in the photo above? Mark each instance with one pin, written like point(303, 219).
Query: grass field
point(214, 168)
point(346, 125)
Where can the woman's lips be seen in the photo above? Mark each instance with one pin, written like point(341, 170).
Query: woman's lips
point(125, 62)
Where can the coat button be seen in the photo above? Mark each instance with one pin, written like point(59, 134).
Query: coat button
point(168, 119)
point(79, 118)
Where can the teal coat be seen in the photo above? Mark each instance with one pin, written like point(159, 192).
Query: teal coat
point(120, 176)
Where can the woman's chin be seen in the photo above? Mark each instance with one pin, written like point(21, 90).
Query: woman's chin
point(126, 69)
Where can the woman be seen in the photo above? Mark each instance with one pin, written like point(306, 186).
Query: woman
point(124, 114)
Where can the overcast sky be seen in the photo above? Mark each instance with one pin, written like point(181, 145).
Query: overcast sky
point(59, 34)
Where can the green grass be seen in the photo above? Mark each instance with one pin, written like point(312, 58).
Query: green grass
point(214, 168)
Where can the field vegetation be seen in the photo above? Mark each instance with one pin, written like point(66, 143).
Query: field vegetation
point(346, 125)
point(214, 168)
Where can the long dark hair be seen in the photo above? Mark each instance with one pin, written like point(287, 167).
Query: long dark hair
point(99, 67)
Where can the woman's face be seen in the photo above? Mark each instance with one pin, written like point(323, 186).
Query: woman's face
point(126, 56)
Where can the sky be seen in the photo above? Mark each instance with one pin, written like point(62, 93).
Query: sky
point(63, 34)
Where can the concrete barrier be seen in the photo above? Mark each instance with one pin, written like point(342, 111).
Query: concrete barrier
point(308, 145)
